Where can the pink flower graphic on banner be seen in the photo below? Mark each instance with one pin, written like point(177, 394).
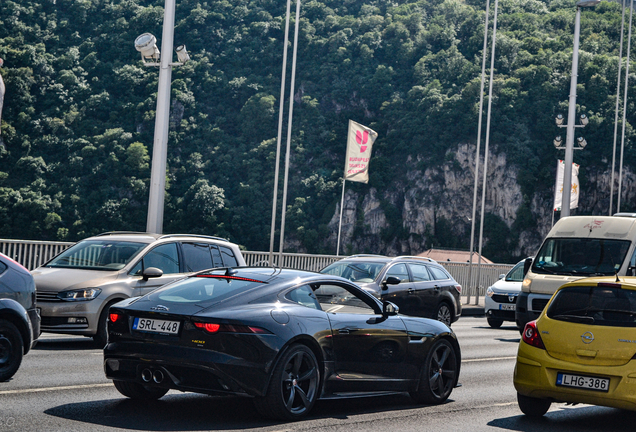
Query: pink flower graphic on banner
point(362, 137)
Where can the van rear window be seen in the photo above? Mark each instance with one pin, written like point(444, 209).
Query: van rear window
point(595, 305)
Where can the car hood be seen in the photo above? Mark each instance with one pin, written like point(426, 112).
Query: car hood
point(504, 287)
point(59, 279)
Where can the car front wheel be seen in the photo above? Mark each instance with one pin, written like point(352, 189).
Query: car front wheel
point(494, 322)
point(11, 350)
point(293, 387)
point(439, 374)
point(533, 407)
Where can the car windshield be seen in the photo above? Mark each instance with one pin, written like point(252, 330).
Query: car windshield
point(516, 273)
point(97, 255)
point(595, 305)
point(358, 271)
point(580, 256)
point(205, 288)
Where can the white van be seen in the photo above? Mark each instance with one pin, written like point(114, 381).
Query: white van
point(577, 247)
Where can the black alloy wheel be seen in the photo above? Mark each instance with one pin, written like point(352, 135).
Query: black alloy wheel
point(137, 391)
point(494, 322)
point(293, 388)
point(11, 350)
point(444, 314)
point(439, 374)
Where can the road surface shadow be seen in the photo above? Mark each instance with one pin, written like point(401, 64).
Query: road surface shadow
point(508, 340)
point(572, 419)
point(189, 411)
point(66, 344)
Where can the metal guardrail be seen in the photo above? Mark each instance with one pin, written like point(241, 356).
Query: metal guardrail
point(32, 254)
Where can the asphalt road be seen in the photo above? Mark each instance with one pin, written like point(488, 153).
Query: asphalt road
point(61, 387)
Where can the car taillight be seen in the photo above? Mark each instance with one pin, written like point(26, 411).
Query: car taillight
point(229, 328)
point(458, 288)
point(208, 327)
point(531, 335)
point(114, 317)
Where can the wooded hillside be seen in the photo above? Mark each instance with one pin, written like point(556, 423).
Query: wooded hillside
point(78, 116)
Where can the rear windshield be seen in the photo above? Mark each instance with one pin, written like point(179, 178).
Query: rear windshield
point(354, 271)
point(595, 305)
point(580, 256)
point(97, 255)
point(204, 289)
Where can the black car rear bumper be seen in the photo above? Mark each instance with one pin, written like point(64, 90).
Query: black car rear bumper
point(185, 369)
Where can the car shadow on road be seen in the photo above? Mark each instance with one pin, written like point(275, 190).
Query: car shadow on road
point(189, 411)
point(571, 419)
point(69, 344)
point(513, 340)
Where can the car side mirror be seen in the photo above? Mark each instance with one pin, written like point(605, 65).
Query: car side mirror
point(526, 265)
point(501, 276)
point(391, 280)
point(151, 272)
point(389, 309)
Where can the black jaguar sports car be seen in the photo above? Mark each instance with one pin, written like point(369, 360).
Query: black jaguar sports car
point(284, 338)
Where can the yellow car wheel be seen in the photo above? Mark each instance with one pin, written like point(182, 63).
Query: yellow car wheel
point(533, 407)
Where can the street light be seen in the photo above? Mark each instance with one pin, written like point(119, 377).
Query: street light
point(146, 45)
point(569, 142)
point(558, 141)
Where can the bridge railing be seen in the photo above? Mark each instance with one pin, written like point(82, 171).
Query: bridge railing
point(31, 254)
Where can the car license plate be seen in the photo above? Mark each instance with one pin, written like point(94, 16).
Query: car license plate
point(156, 326)
point(583, 382)
point(508, 307)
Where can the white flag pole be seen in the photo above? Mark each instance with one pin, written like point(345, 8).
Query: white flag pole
point(340, 224)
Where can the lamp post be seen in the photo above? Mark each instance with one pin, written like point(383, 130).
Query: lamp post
point(569, 140)
point(145, 44)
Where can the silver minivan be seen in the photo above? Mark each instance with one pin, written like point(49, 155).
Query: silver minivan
point(76, 288)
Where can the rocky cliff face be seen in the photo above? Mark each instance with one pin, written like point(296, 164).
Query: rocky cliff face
point(446, 192)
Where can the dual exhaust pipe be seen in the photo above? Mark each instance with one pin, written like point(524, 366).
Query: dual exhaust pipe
point(157, 376)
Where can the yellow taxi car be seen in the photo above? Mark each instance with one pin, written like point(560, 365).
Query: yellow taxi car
point(581, 349)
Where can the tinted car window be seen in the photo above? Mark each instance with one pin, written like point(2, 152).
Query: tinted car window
point(197, 256)
point(419, 272)
point(336, 299)
point(354, 271)
point(398, 271)
point(216, 256)
point(164, 257)
point(97, 255)
point(229, 260)
point(600, 305)
point(305, 296)
point(438, 274)
point(202, 289)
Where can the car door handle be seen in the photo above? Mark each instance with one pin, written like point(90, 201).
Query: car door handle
point(343, 331)
point(411, 291)
point(436, 287)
